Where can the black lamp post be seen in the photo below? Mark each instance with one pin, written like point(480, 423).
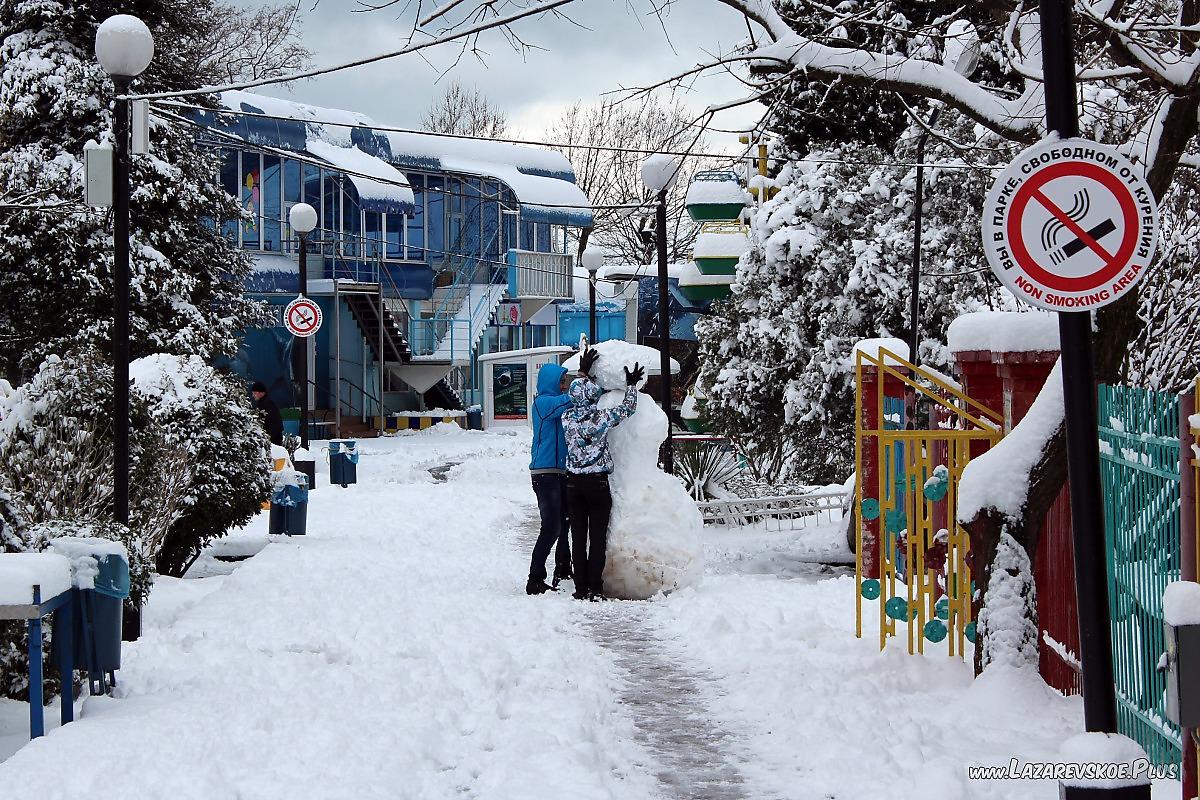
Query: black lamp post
point(963, 59)
point(592, 260)
point(124, 48)
point(303, 219)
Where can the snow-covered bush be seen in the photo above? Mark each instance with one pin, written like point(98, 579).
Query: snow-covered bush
point(1007, 621)
point(209, 417)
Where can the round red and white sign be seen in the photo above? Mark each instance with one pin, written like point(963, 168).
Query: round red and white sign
point(1070, 225)
point(302, 317)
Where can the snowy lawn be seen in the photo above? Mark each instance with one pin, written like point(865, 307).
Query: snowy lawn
point(392, 654)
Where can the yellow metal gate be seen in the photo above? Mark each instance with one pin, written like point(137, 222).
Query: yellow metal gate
point(912, 555)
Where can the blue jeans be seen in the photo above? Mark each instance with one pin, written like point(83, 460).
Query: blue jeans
point(551, 491)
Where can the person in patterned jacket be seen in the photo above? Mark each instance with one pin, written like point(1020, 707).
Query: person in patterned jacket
point(589, 500)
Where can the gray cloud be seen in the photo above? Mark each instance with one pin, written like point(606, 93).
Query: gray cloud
point(610, 44)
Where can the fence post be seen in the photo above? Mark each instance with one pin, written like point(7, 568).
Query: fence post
point(1188, 523)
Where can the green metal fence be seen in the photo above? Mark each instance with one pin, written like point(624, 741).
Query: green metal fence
point(1139, 451)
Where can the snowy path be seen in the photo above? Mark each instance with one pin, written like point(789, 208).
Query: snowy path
point(392, 653)
point(672, 721)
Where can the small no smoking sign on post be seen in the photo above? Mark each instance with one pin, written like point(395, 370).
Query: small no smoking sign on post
point(1070, 225)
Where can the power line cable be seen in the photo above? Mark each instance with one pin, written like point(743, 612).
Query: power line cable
point(465, 33)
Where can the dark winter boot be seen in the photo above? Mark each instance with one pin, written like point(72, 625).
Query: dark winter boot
point(580, 594)
point(535, 586)
point(562, 572)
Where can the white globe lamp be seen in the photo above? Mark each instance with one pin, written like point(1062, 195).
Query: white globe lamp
point(303, 218)
point(124, 46)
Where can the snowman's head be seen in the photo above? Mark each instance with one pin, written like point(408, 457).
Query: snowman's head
point(584, 392)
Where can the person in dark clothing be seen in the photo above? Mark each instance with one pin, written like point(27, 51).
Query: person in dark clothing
point(589, 499)
point(273, 420)
point(548, 469)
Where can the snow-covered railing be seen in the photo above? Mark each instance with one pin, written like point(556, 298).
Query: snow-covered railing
point(788, 512)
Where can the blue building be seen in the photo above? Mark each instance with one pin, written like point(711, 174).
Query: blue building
point(428, 251)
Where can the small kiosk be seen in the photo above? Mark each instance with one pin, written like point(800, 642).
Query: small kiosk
point(509, 382)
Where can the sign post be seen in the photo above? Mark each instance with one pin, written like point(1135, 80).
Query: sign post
point(1071, 226)
point(302, 318)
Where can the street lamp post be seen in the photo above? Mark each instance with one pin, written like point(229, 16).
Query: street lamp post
point(592, 260)
point(658, 175)
point(124, 48)
point(303, 219)
point(961, 55)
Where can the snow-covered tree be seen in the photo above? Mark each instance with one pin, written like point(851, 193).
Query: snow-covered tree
point(594, 136)
point(829, 266)
point(208, 418)
point(1009, 635)
point(56, 267)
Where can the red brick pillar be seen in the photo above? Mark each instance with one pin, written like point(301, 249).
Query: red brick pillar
point(1009, 383)
point(872, 416)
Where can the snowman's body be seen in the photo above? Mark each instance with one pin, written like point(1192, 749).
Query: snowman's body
point(654, 534)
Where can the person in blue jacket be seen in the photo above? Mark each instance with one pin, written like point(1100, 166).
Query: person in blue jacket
point(548, 469)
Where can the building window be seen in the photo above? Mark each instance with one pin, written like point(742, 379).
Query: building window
point(251, 200)
point(373, 234)
point(229, 182)
point(394, 224)
point(435, 218)
point(527, 235)
point(416, 221)
point(271, 202)
point(543, 238)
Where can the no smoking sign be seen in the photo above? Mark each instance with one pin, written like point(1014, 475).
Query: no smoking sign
point(1070, 225)
point(302, 317)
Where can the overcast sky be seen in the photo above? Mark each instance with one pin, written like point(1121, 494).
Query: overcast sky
point(617, 46)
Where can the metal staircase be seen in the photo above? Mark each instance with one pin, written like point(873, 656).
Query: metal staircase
point(370, 315)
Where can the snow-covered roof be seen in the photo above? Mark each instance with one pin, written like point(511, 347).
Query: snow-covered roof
point(690, 275)
point(390, 193)
point(724, 243)
point(542, 180)
point(630, 272)
point(1004, 332)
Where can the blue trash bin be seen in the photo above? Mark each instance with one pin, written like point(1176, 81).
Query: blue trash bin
point(343, 462)
point(99, 612)
point(474, 418)
point(289, 509)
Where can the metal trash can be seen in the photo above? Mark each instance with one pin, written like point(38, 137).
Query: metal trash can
point(100, 574)
point(306, 464)
point(343, 462)
point(475, 418)
point(289, 509)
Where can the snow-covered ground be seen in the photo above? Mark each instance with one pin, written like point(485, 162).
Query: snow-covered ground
point(392, 653)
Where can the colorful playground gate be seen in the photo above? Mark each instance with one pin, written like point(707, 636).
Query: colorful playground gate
point(911, 554)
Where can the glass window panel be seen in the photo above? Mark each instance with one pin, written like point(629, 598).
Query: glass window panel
point(490, 213)
point(331, 219)
point(527, 236)
point(373, 234)
point(509, 232)
point(312, 188)
point(351, 219)
point(395, 236)
point(229, 182)
point(471, 245)
point(251, 199)
point(543, 238)
point(272, 198)
point(435, 217)
point(416, 221)
point(291, 181)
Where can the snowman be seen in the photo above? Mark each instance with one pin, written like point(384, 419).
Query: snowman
point(654, 540)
